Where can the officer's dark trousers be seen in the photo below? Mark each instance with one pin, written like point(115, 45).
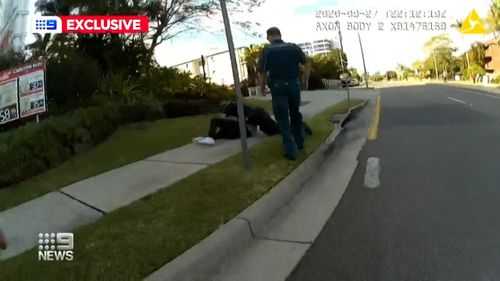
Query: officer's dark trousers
point(286, 102)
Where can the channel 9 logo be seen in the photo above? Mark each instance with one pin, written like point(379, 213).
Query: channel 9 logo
point(46, 24)
point(55, 246)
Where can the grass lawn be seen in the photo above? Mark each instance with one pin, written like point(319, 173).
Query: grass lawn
point(128, 144)
point(134, 241)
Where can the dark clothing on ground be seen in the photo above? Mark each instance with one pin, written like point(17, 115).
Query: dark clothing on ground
point(259, 117)
point(229, 129)
point(231, 109)
point(225, 129)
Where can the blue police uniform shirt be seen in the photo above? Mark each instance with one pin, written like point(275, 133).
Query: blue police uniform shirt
point(281, 60)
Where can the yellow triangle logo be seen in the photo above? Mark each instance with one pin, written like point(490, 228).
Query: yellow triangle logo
point(473, 24)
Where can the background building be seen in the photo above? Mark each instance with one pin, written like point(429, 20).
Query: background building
point(318, 47)
point(217, 67)
point(492, 56)
point(13, 24)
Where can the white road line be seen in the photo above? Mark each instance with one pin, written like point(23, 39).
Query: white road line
point(457, 100)
point(475, 92)
point(372, 179)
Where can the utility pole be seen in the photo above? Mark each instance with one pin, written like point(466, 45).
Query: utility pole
point(342, 63)
point(435, 64)
point(237, 85)
point(203, 67)
point(363, 57)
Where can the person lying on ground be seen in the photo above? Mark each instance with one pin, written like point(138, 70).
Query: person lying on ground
point(227, 126)
point(259, 117)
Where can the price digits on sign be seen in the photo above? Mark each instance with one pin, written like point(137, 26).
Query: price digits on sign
point(36, 85)
point(5, 115)
point(37, 104)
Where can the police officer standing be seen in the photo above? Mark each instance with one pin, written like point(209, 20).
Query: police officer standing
point(279, 65)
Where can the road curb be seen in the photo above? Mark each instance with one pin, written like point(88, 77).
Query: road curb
point(262, 210)
point(203, 258)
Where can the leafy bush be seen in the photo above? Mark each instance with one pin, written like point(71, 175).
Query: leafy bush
point(376, 77)
point(315, 82)
point(178, 108)
point(159, 82)
point(36, 147)
point(496, 80)
point(391, 75)
point(117, 88)
point(100, 122)
point(31, 149)
point(140, 112)
point(166, 83)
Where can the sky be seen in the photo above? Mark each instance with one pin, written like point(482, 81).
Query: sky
point(297, 21)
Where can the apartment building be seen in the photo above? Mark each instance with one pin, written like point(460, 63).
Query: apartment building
point(318, 47)
point(217, 67)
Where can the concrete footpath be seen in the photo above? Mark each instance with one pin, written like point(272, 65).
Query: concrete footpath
point(86, 201)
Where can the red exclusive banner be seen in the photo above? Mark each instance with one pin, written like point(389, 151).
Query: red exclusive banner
point(104, 24)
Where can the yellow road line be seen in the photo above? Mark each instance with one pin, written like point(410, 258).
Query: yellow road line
point(375, 123)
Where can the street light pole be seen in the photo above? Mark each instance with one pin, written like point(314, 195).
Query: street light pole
point(237, 85)
point(435, 64)
point(363, 57)
point(342, 63)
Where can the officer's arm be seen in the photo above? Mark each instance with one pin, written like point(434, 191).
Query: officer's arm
point(263, 71)
point(306, 63)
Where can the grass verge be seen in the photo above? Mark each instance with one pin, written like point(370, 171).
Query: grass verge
point(134, 241)
point(130, 143)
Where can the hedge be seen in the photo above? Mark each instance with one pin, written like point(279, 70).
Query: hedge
point(36, 147)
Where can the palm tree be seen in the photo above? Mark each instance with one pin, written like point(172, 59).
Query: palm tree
point(252, 55)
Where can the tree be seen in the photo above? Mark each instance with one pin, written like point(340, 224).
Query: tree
point(418, 67)
point(252, 55)
point(168, 18)
point(493, 18)
point(355, 74)
point(474, 58)
point(376, 77)
point(11, 59)
point(440, 56)
point(328, 66)
point(403, 71)
point(391, 75)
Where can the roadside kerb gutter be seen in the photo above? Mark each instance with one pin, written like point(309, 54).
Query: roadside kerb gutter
point(203, 258)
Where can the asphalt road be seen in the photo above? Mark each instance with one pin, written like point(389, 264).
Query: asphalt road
point(436, 214)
